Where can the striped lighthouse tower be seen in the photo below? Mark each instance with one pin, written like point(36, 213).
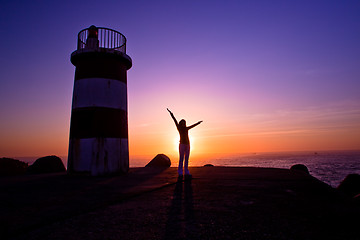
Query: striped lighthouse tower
point(98, 142)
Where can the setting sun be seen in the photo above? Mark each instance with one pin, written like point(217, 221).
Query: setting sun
point(176, 143)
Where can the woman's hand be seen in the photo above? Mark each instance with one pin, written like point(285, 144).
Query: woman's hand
point(169, 111)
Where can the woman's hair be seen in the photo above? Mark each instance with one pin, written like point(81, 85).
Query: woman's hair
point(182, 123)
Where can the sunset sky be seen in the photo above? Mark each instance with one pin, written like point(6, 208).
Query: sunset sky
point(262, 75)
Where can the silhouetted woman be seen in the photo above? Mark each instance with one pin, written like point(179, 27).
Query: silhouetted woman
point(184, 146)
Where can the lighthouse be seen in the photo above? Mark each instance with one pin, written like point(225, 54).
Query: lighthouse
point(98, 143)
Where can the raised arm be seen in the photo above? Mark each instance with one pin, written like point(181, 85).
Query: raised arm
point(194, 125)
point(173, 117)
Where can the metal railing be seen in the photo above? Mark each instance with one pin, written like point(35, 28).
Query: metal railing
point(107, 38)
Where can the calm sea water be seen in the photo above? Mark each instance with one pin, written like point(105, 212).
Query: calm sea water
point(330, 167)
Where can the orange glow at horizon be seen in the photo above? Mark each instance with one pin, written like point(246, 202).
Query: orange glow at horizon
point(247, 133)
point(231, 133)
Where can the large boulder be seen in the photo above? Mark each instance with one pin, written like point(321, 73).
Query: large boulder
point(9, 166)
point(161, 160)
point(350, 185)
point(208, 165)
point(300, 168)
point(48, 164)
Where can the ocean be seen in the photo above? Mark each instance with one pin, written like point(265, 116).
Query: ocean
point(330, 167)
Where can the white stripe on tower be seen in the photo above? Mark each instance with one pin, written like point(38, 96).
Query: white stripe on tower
point(100, 155)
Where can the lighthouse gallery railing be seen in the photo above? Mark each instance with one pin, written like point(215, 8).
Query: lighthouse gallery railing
point(108, 38)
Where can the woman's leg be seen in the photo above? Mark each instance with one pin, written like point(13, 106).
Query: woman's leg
point(181, 158)
point(187, 154)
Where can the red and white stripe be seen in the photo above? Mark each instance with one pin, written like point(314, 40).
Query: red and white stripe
point(99, 124)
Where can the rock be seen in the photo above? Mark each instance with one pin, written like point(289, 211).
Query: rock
point(300, 168)
point(161, 160)
point(48, 164)
point(357, 198)
point(9, 166)
point(350, 185)
point(208, 165)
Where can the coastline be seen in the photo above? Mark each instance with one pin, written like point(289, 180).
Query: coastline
point(330, 167)
point(148, 203)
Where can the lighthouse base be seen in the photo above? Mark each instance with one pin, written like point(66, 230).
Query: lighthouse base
point(98, 156)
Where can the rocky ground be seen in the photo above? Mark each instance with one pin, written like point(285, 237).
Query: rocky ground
point(148, 203)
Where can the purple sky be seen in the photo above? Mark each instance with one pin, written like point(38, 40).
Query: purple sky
point(267, 65)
